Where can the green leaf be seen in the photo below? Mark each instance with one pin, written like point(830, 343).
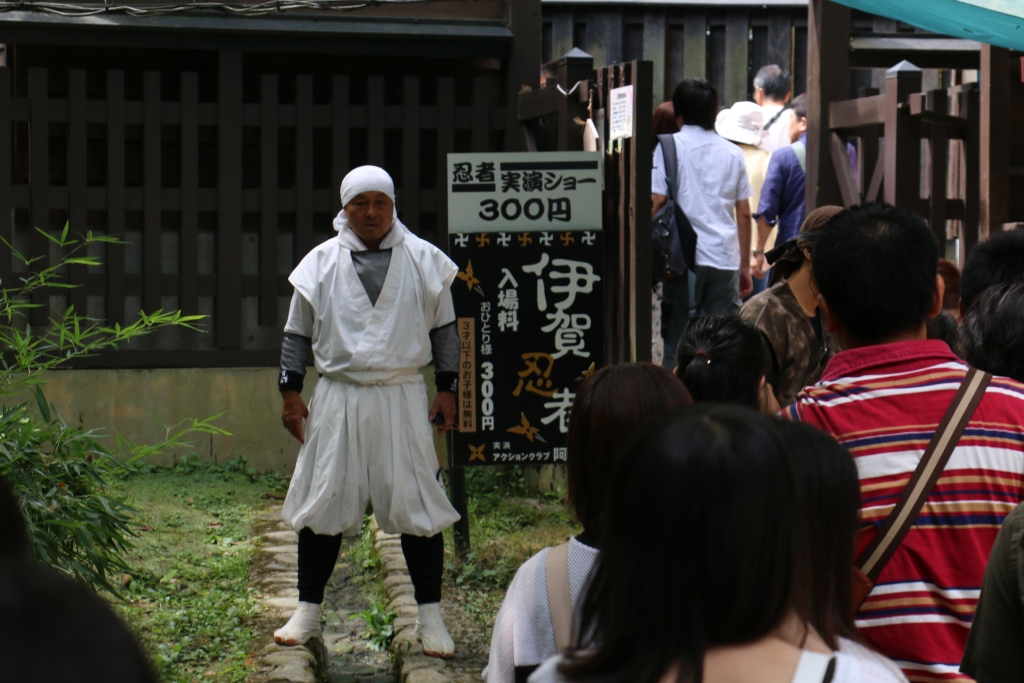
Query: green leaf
point(44, 409)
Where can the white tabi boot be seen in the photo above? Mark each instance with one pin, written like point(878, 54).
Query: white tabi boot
point(432, 632)
point(303, 625)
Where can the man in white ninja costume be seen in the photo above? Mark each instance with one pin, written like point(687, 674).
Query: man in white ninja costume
point(372, 306)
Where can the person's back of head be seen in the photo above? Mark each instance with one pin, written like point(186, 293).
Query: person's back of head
point(664, 120)
point(54, 630)
point(609, 405)
point(723, 359)
point(774, 83)
point(875, 266)
point(695, 101)
point(991, 334)
point(699, 547)
point(996, 261)
point(15, 546)
point(829, 493)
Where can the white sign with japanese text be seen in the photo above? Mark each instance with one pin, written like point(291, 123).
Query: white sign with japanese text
point(539, 191)
point(620, 122)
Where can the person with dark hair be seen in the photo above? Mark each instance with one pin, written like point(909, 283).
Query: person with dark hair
point(787, 313)
point(15, 547)
point(664, 121)
point(772, 88)
point(829, 494)
point(711, 489)
point(724, 359)
point(991, 335)
point(54, 630)
point(999, 260)
point(608, 407)
point(883, 398)
point(710, 186)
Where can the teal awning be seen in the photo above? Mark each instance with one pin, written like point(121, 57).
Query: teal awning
point(998, 22)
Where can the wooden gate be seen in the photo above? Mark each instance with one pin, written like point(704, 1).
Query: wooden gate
point(553, 119)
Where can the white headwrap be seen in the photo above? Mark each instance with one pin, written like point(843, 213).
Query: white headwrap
point(366, 179)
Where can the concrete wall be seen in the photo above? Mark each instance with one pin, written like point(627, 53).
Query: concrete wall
point(135, 403)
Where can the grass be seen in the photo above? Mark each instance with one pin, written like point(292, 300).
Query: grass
point(508, 524)
point(188, 598)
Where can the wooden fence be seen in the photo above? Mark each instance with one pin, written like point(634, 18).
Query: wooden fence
point(219, 197)
point(725, 44)
point(896, 132)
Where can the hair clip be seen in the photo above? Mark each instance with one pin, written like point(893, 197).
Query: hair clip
point(703, 354)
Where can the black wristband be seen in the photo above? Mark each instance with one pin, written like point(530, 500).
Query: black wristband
point(446, 381)
point(290, 381)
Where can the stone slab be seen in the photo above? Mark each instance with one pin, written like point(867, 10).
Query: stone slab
point(289, 537)
point(297, 671)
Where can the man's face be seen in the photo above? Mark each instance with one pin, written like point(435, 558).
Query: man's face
point(797, 127)
point(370, 215)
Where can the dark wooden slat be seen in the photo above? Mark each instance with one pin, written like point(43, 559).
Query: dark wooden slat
point(115, 308)
point(304, 166)
point(844, 172)
point(737, 26)
point(656, 50)
point(480, 131)
point(39, 158)
point(375, 124)
point(561, 32)
point(827, 82)
point(994, 153)
point(340, 123)
point(676, 55)
point(695, 46)
point(937, 165)
point(268, 199)
point(189, 250)
point(640, 201)
point(902, 141)
point(862, 111)
point(604, 34)
point(77, 197)
point(622, 246)
point(6, 193)
point(524, 18)
point(410, 207)
point(780, 39)
point(151, 237)
point(971, 110)
point(445, 145)
point(877, 177)
point(228, 309)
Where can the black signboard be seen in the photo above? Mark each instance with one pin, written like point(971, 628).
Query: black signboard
point(529, 309)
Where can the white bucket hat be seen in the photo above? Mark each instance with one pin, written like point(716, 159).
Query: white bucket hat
point(743, 122)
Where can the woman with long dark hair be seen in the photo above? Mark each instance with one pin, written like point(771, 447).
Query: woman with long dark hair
point(609, 405)
point(703, 559)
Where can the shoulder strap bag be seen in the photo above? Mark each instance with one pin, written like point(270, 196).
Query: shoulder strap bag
point(556, 571)
point(874, 558)
point(673, 239)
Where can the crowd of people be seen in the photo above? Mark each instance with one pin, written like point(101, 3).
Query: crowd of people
point(727, 538)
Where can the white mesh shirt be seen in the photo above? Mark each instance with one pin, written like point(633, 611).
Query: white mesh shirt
point(523, 634)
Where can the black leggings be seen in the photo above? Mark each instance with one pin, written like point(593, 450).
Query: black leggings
point(318, 553)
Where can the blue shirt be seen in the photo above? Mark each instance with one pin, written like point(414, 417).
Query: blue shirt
point(782, 195)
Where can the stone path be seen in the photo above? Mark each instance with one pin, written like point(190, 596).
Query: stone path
point(343, 655)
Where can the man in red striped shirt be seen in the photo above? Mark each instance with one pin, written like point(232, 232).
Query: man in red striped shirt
point(882, 398)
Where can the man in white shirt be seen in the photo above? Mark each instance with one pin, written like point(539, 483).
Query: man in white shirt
point(711, 188)
point(772, 90)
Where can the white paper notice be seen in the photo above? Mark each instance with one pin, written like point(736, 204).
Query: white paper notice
point(620, 123)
